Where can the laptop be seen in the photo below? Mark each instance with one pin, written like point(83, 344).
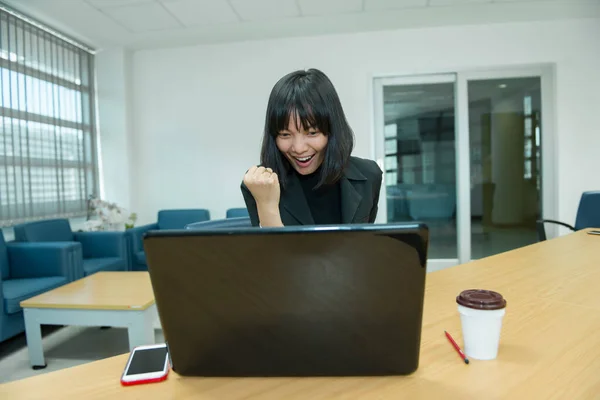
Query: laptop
point(293, 301)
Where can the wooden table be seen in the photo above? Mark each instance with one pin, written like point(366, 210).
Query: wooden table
point(123, 299)
point(550, 345)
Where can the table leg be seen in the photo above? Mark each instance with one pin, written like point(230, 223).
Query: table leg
point(33, 332)
point(141, 328)
point(157, 324)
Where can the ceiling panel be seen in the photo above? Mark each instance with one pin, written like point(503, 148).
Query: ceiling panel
point(77, 19)
point(202, 12)
point(523, 1)
point(143, 17)
point(379, 5)
point(252, 10)
point(100, 4)
point(456, 2)
point(328, 7)
point(83, 21)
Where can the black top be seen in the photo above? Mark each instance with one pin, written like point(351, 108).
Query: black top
point(356, 193)
point(325, 202)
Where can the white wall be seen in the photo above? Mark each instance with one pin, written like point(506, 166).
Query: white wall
point(198, 112)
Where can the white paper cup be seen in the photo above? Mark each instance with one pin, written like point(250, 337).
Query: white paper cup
point(481, 314)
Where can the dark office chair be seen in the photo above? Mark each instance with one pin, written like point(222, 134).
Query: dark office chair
point(240, 222)
point(588, 215)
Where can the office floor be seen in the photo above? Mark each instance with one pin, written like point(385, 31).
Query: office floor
point(64, 347)
point(484, 242)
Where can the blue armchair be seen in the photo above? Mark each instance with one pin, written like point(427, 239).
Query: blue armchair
point(237, 213)
point(27, 270)
point(167, 219)
point(100, 251)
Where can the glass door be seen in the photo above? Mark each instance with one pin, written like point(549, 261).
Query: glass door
point(417, 151)
point(464, 153)
point(510, 184)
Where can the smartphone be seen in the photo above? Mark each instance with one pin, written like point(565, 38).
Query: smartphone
point(146, 364)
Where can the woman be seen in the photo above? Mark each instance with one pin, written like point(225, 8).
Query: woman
point(307, 176)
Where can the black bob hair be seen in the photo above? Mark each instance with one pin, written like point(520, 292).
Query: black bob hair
point(310, 97)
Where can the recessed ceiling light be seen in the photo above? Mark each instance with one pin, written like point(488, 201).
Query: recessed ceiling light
point(502, 86)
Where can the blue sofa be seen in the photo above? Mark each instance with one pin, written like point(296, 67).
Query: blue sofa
point(432, 202)
point(27, 270)
point(100, 251)
point(408, 202)
point(167, 219)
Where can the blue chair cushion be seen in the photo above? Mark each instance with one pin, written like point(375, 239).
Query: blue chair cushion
point(178, 219)
point(140, 257)
point(93, 265)
point(237, 213)
point(17, 290)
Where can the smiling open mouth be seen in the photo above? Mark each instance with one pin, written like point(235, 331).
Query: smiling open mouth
point(304, 159)
point(304, 162)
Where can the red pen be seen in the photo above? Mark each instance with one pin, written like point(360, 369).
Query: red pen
point(462, 355)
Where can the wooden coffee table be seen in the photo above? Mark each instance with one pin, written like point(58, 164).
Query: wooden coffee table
point(119, 299)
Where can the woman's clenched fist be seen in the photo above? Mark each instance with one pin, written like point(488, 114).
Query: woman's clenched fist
point(264, 186)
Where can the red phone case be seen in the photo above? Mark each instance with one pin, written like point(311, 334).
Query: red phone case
point(162, 378)
point(143, 381)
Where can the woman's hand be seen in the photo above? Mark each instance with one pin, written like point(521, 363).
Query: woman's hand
point(264, 186)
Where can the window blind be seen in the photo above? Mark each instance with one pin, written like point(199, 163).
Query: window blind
point(48, 154)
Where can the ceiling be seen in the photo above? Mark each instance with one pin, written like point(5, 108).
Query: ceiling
point(139, 24)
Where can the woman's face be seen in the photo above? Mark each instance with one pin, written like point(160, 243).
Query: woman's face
point(304, 149)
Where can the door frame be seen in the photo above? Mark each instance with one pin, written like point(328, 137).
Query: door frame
point(461, 78)
point(378, 149)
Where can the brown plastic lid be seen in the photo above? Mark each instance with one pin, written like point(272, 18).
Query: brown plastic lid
point(481, 299)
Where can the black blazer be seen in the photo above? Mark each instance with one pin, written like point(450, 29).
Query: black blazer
point(359, 187)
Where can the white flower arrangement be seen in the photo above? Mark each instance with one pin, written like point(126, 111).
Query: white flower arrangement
point(104, 215)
